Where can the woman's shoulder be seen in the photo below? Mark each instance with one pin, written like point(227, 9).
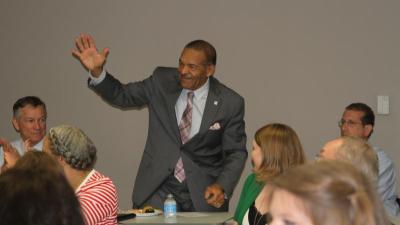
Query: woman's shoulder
point(98, 182)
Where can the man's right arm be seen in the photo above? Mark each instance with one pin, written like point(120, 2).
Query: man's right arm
point(134, 94)
point(93, 81)
point(109, 88)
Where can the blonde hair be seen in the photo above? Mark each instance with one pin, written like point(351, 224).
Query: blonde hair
point(281, 149)
point(333, 193)
point(359, 153)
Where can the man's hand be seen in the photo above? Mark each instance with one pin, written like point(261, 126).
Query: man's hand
point(215, 195)
point(88, 55)
point(11, 154)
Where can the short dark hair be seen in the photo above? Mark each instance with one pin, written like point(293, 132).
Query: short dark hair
point(369, 116)
point(207, 48)
point(37, 196)
point(27, 100)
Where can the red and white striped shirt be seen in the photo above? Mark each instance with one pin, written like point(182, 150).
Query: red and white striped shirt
point(98, 197)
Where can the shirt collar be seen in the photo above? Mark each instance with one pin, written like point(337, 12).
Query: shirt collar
point(38, 146)
point(200, 92)
point(85, 180)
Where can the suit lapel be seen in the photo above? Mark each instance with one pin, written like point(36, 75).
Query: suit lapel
point(213, 104)
point(173, 92)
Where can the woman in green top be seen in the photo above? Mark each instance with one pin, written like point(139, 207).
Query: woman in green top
point(276, 147)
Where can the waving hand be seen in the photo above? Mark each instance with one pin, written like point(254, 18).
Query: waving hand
point(88, 55)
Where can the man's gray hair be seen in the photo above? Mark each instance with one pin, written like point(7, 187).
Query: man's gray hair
point(359, 153)
point(74, 146)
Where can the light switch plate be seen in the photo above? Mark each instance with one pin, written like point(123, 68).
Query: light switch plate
point(383, 104)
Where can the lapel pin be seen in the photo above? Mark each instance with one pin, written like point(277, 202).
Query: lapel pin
point(215, 102)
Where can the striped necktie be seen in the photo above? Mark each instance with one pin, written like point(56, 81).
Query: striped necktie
point(184, 129)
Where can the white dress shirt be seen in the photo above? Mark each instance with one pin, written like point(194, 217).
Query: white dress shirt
point(199, 103)
point(19, 145)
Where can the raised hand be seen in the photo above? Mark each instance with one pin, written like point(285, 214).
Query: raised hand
point(11, 154)
point(27, 145)
point(88, 55)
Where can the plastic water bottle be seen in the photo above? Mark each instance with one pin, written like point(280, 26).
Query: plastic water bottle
point(170, 207)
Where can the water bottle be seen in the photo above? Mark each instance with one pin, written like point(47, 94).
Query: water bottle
point(170, 207)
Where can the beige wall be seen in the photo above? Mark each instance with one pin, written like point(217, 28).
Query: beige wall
point(296, 62)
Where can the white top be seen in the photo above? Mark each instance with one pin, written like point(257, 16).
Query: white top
point(245, 220)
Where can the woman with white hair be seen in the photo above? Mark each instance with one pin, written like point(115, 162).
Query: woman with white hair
point(77, 155)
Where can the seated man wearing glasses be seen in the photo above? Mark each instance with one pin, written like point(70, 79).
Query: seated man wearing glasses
point(358, 121)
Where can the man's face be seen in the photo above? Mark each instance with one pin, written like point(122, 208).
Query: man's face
point(353, 126)
point(193, 69)
point(329, 150)
point(31, 123)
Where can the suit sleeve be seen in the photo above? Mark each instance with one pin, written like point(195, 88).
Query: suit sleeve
point(234, 148)
point(135, 94)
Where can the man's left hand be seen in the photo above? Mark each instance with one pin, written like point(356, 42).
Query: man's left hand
point(215, 195)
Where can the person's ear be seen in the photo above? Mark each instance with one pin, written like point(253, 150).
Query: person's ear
point(368, 130)
point(210, 70)
point(15, 124)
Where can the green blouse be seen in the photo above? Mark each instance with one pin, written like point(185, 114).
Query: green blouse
point(250, 191)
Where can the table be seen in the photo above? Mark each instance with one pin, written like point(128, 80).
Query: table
point(395, 220)
point(192, 218)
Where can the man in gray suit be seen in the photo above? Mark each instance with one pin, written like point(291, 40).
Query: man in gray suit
point(196, 144)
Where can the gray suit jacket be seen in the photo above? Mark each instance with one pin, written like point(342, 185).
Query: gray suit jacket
point(211, 156)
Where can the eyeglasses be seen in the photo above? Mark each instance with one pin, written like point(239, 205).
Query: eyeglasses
point(349, 123)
